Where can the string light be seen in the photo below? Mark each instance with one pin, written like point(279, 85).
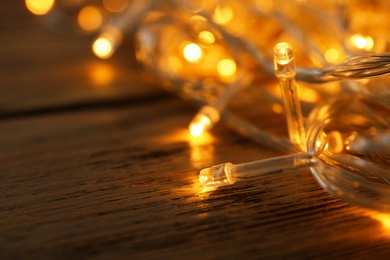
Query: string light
point(207, 52)
point(103, 47)
point(363, 43)
point(209, 115)
point(357, 180)
point(90, 18)
point(226, 67)
point(39, 7)
point(207, 37)
point(192, 52)
point(112, 33)
point(285, 71)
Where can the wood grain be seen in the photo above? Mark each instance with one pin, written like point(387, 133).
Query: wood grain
point(123, 182)
point(110, 172)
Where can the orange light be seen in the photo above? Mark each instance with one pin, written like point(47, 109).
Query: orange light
point(384, 219)
point(223, 14)
point(264, 5)
point(101, 74)
point(277, 108)
point(90, 18)
point(39, 7)
point(115, 6)
point(226, 67)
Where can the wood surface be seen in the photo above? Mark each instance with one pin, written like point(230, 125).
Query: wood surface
point(105, 169)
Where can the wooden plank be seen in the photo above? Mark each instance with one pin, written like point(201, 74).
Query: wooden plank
point(123, 182)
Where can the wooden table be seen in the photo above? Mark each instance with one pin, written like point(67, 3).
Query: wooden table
point(96, 162)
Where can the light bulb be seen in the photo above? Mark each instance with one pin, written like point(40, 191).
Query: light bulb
point(102, 47)
point(39, 7)
point(204, 120)
point(285, 71)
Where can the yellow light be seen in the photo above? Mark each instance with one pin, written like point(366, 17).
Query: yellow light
point(199, 124)
point(223, 14)
point(90, 18)
point(192, 52)
point(102, 48)
point(308, 94)
point(361, 42)
point(226, 67)
point(207, 37)
point(115, 6)
point(197, 129)
point(332, 55)
point(39, 7)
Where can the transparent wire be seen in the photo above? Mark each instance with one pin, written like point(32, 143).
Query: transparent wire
point(352, 175)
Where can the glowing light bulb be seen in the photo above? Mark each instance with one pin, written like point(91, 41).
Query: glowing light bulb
point(332, 55)
point(192, 52)
point(39, 7)
point(226, 67)
point(197, 129)
point(102, 47)
point(361, 42)
point(207, 37)
point(90, 18)
point(223, 14)
point(203, 120)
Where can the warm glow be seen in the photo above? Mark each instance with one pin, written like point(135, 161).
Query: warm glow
point(361, 42)
point(277, 108)
point(384, 219)
point(264, 5)
point(102, 48)
point(202, 150)
point(115, 6)
point(197, 129)
point(335, 142)
point(226, 67)
point(90, 18)
point(175, 64)
point(307, 94)
point(101, 74)
point(332, 55)
point(207, 37)
point(199, 125)
point(223, 14)
point(39, 7)
point(192, 52)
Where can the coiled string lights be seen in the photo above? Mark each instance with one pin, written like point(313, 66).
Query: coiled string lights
point(209, 52)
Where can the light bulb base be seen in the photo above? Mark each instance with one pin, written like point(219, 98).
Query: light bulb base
point(217, 175)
